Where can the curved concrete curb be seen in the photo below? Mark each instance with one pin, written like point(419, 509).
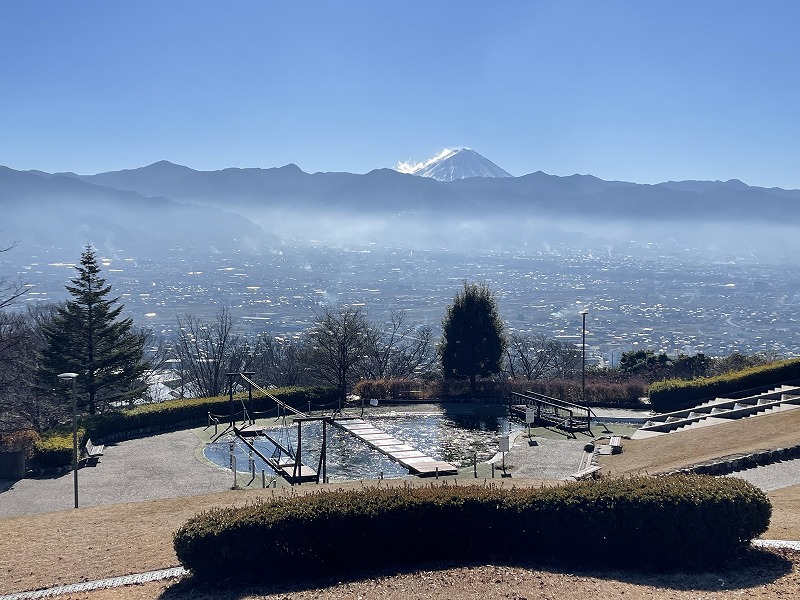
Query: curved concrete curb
point(776, 544)
point(88, 586)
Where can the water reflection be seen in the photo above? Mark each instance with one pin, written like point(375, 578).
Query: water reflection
point(452, 433)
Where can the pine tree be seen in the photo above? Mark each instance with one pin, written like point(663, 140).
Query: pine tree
point(88, 337)
point(473, 340)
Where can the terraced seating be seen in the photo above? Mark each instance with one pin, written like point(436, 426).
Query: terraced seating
point(721, 409)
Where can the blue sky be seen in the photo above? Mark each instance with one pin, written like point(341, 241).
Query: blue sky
point(637, 91)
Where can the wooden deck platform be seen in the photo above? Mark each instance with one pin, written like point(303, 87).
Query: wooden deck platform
point(286, 470)
point(249, 430)
point(407, 456)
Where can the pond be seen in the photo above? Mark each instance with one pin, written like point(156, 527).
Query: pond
point(453, 433)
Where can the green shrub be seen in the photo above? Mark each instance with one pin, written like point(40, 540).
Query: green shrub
point(54, 449)
point(678, 521)
point(678, 394)
point(173, 413)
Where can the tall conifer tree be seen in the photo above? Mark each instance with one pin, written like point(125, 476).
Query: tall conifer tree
point(88, 337)
point(473, 338)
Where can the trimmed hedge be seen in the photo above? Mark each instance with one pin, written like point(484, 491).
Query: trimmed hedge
point(677, 521)
point(598, 393)
point(166, 415)
point(677, 394)
point(55, 450)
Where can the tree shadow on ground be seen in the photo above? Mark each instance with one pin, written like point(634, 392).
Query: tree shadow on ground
point(753, 568)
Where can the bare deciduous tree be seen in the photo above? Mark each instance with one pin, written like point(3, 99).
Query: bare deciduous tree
point(209, 349)
point(339, 343)
point(23, 402)
point(281, 361)
point(538, 357)
point(397, 349)
point(10, 291)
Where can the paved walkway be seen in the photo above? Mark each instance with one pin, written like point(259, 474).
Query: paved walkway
point(543, 458)
point(100, 584)
point(772, 477)
point(161, 466)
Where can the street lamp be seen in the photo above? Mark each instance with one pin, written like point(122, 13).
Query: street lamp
point(73, 377)
point(584, 312)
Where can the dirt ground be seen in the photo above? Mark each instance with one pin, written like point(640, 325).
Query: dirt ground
point(40, 551)
point(766, 575)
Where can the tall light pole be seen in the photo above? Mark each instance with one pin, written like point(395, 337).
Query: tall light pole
point(74, 377)
point(584, 312)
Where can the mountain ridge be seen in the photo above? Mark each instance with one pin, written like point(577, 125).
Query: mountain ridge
point(476, 210)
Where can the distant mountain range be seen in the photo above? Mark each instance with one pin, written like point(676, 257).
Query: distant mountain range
point(165, 203)
point(386, 190)
point(40, 209)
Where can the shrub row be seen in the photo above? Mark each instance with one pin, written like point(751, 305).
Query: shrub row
point(677, 521)
point(23, 440)
point(597, 393)
point(385, 389)
point(678, 394)
point(166, 415)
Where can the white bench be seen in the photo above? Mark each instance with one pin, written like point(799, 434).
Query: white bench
point(93, 451)
point(586, 473)
point(616, 444)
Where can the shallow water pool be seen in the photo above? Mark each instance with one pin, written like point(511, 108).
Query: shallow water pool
point(454, 433)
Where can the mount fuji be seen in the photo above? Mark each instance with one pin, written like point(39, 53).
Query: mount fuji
point(450, 165)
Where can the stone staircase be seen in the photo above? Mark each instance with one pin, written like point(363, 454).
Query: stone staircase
point(721, 410)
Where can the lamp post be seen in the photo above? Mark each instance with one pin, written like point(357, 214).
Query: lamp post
point(73, 377)
point(584, 312)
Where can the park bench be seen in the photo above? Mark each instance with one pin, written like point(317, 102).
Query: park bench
point(586, 473)
point(93, 451)
point(616, 444)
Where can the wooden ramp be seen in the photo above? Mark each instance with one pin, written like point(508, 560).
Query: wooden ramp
point(285, 466)
point(415, 461)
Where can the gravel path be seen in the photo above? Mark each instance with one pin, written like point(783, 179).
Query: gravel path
point(161, 466)
point(772, 477)
point(543, 458)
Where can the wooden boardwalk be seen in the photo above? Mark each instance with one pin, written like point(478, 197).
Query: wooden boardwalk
point(412, 459)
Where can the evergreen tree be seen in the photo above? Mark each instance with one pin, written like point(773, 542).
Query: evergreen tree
point(473, 339)
point(88, 337)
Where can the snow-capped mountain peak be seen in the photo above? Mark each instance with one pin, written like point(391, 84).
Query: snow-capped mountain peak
point(449, 165)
